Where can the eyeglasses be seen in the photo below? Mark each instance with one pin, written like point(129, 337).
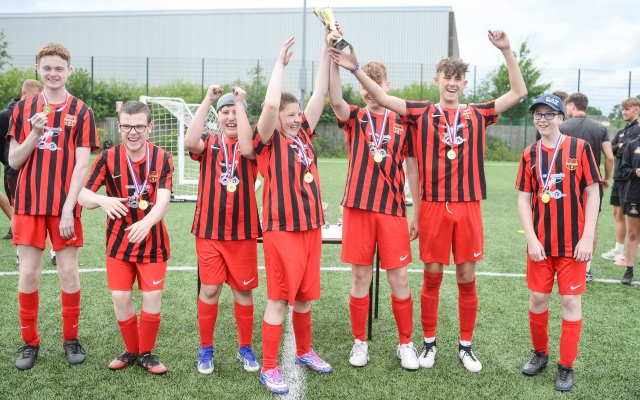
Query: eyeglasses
point(137, 128)
point(548, 116)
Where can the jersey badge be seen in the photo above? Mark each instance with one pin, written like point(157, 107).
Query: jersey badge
point(571, 164)
point(466, 114)
point(397, 128)
point(70, 120)
point(153, 176)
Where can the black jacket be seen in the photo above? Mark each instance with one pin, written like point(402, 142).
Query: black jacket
point(629, 133)
point(630, 162)
point(5, 116)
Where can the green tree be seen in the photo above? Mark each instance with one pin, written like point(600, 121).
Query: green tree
point(593, 111)
point(496, 83)
point(11, 83)
point(4, 55)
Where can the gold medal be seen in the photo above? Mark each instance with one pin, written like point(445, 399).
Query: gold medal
point(308, 177)
point(47, 109)
point(231, 187)
point(451, 154)
point(377, 157)
point(545, 197)
point(143, 205)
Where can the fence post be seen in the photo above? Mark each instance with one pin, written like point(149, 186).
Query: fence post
point(421, 71)
point(257, 91)
point(578, 80)
point(629, 96)
point(91, 81)
point(202, 91)
point(526, 106)
point(36, 68)
point(475, 99)
point(147, 76)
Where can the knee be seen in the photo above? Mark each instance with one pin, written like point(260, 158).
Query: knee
point(398, 279)
point(121, 297)
point(211, 293)
point(570, 303)
point(361, 277)
point(633, 235)
point(538, 299)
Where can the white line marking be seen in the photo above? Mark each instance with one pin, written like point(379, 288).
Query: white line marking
point(330, 269)
point(293, 374)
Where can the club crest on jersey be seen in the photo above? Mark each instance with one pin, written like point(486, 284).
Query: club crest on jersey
point(633, 210)
point(70, 120)
point(153, 176)
point(398, 129)
point(571, 164)
point(466, 114)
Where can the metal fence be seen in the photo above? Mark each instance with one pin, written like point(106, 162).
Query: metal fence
point(164, 77)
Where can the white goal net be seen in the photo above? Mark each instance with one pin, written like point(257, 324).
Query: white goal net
point(171, 118)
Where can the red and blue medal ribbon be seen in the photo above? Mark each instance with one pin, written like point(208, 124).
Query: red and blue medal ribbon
point(545, 182)
point(139, 188)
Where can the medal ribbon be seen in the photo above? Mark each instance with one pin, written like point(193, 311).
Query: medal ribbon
point(453, 132)
point(545, 182)
point(377, 140)
point(230, 169)
point(301, 152)
point(139, 188)
point(44, 100)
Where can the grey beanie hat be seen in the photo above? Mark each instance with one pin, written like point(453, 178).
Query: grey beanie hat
point(227, 100)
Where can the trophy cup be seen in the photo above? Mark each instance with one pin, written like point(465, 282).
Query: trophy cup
point(325, 15)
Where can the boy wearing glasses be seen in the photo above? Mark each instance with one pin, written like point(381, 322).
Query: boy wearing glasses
point(558, 180)
point(51, 136)
point(137, 175)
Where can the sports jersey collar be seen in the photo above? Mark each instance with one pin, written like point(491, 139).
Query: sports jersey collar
point(635, 122)
point(579, 114)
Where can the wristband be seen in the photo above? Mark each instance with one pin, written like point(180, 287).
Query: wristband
point(357, 68)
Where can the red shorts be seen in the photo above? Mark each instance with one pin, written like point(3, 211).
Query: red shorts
point(362, 230)
point(31, 230)
point(232, 261)
point(571, 275)
point(293, 264)
point(447, 225)
point(122, 274)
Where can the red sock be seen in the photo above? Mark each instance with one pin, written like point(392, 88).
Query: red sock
point(207, 316)
point(149, 326)
point(302, 331)
point(359, 311)
point(403, 312)
point(467, 309)
point(130, 334)
point(569, 340)
point(244, 320)
point(29, 303)
point(70, 315)
point(539, 327)
point(270, 345)
point(429, 300)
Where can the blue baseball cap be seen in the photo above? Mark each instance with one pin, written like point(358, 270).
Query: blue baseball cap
point(227, 100)
point(551, 101)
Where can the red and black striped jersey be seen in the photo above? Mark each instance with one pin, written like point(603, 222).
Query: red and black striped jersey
point(442, 178)
point(222, 214)
point(559, 223)
point(111, 170)
point(44, 179)
point(375, 186)
point(289, 203)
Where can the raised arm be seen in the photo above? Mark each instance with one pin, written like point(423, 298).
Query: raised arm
point(269, 116)
point(314, 108)
point(339, 106)
point(516, 81)
point(349, 62)
point(246, 148)
point(193, 138)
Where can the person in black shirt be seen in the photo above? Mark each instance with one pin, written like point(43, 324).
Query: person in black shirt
point(630, 202)
point(631, 131)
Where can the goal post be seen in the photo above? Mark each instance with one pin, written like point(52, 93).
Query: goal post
point(171, 118)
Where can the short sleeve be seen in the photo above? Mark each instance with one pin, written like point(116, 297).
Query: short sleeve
point(488, 111)
point(523, 180)
point(86, 132)
point(205, 137)
point(416, 109)
point(166, 178)
point(98, 172)
point(590, 170)
point(15, 125)
point(347, 126)
point(305, 126)
point(257, 142)
point(605, 135)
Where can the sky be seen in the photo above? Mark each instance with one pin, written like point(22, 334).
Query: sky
point(564, 34)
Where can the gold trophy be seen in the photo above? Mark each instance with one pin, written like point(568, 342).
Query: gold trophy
point(325, 15)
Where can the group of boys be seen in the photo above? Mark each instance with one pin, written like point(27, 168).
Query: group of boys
point(442, 144)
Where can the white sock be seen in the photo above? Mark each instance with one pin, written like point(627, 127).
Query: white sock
point(429, 339)
point(464, 342)
point(620, 247)
point(52, 253)
point(588, 263)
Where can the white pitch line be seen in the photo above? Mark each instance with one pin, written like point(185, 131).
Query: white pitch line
point(293, 374)
point(330, 269)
